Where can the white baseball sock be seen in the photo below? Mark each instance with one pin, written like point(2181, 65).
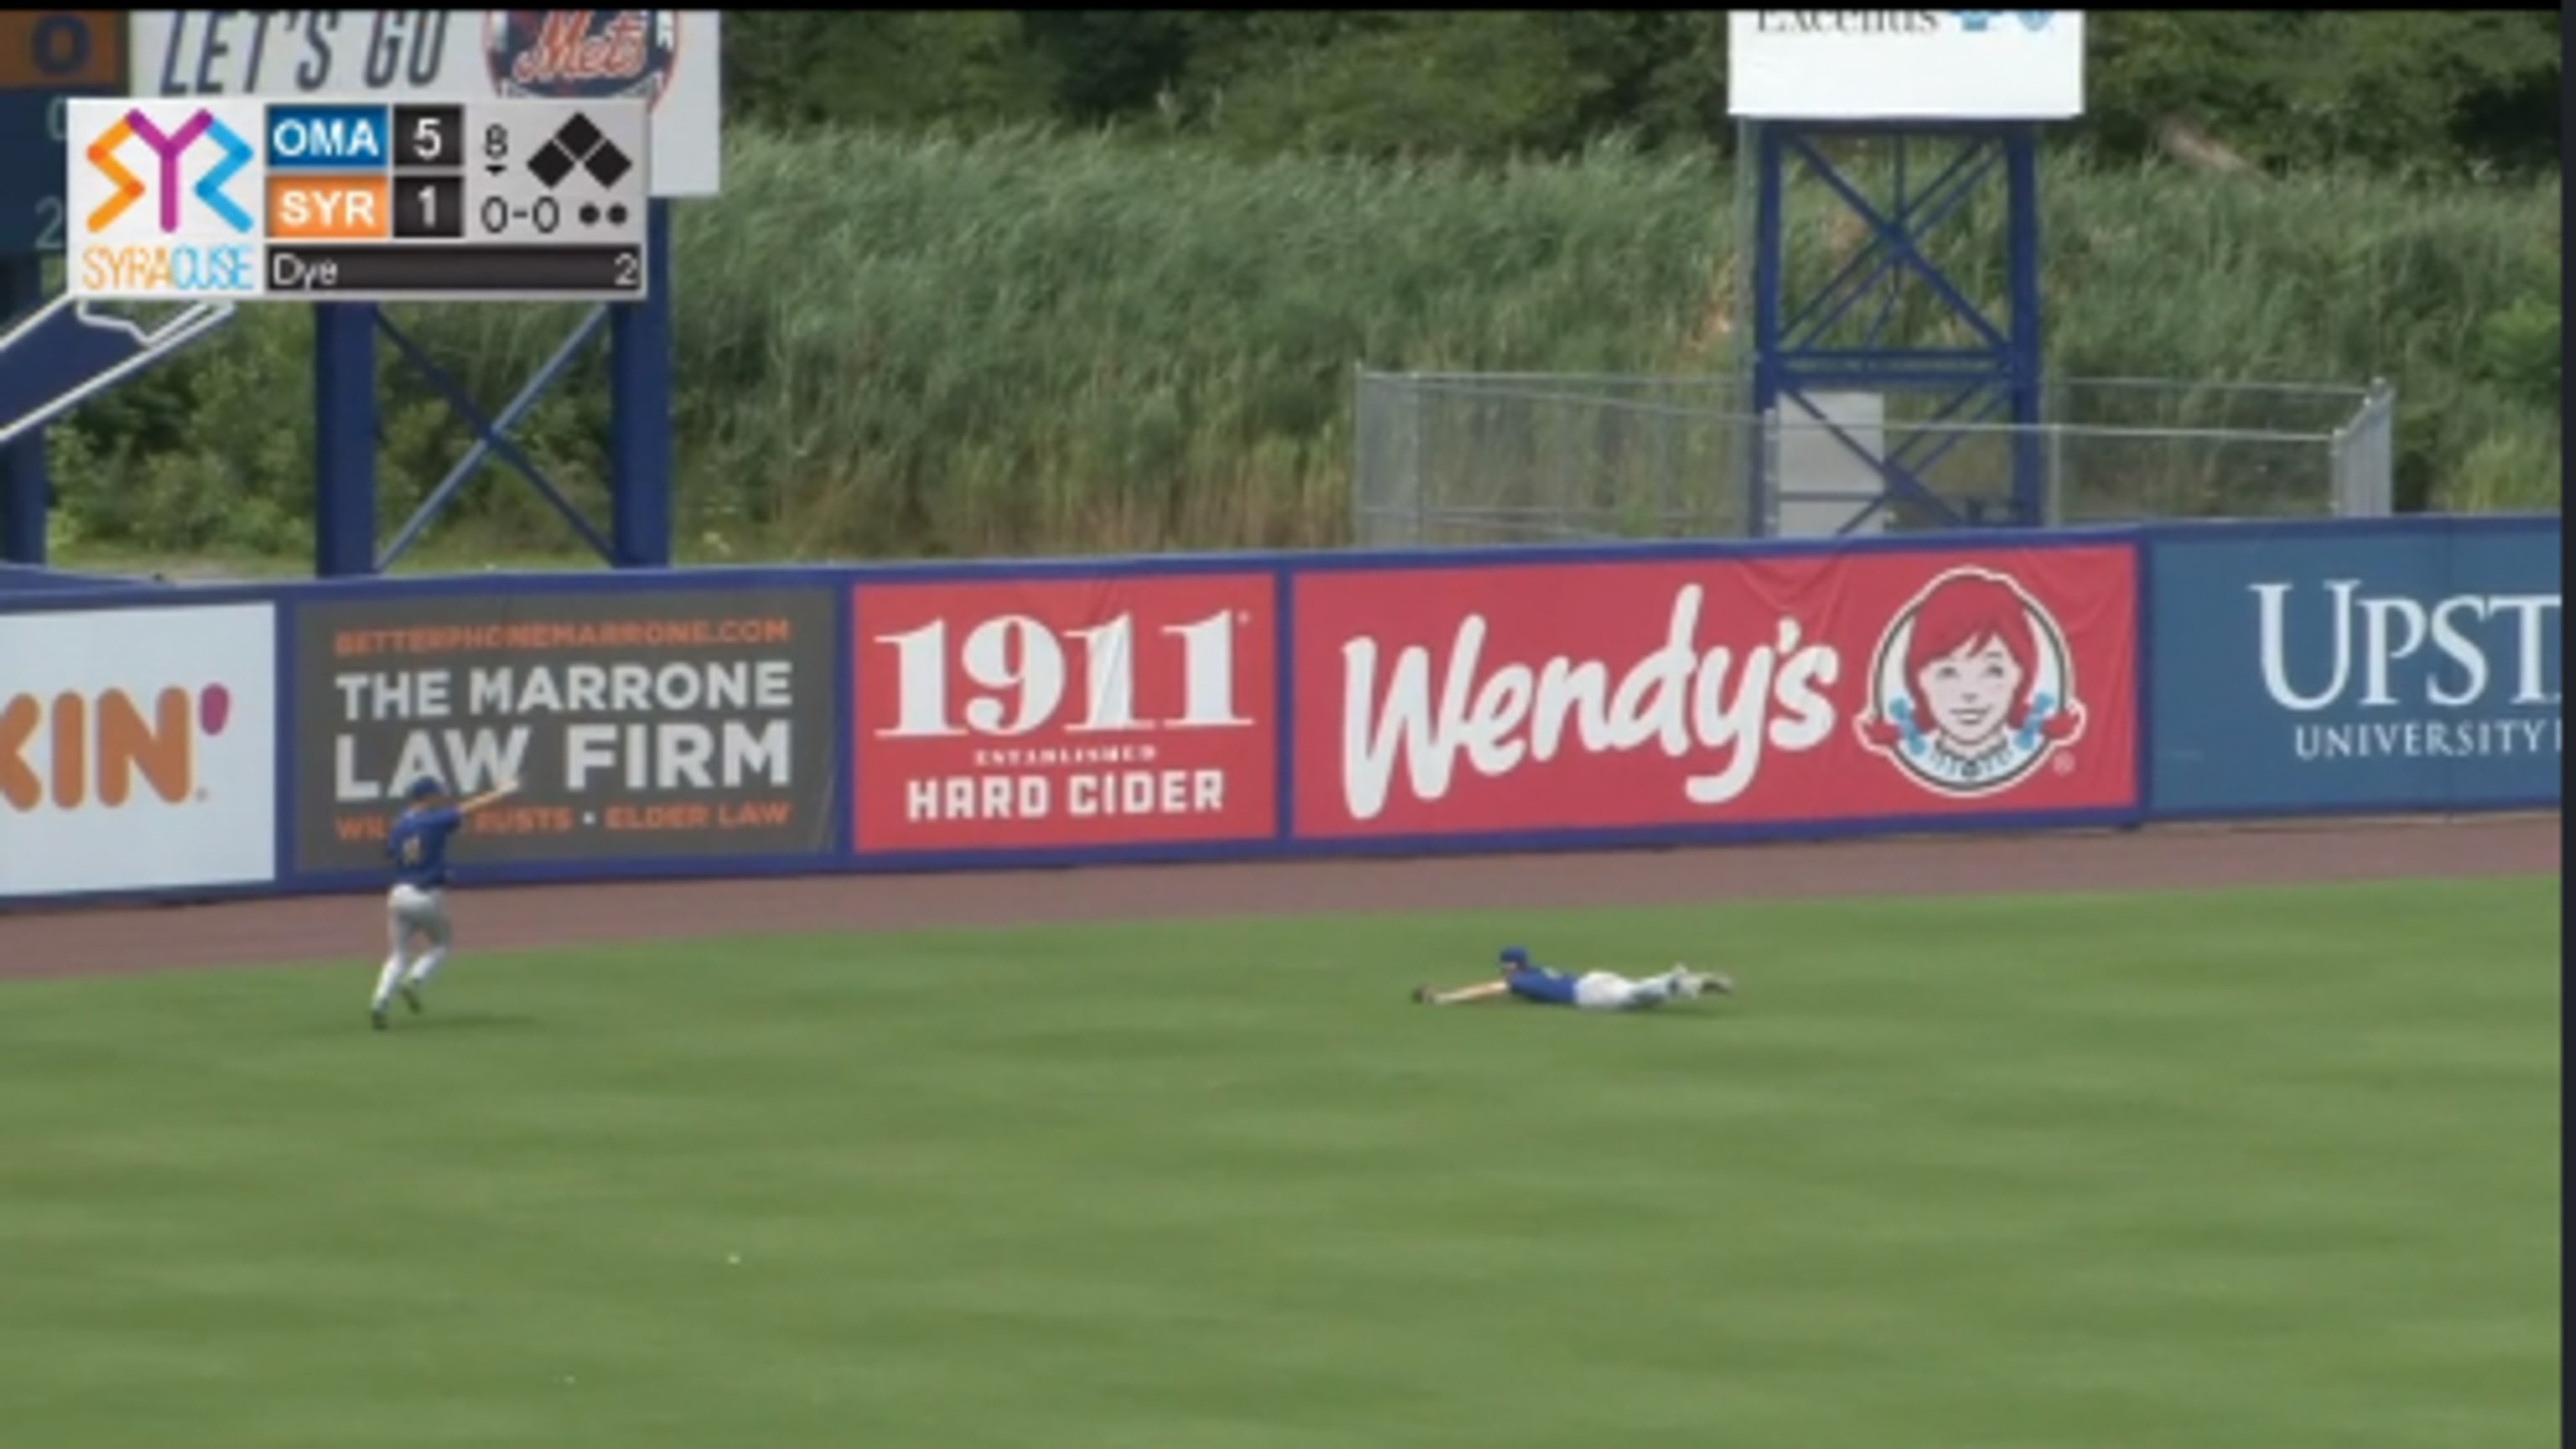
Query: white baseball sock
point(431, 960)
point(1653, 991)
point(388, 979)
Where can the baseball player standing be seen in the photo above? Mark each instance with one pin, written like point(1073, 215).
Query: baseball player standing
point(417, 905)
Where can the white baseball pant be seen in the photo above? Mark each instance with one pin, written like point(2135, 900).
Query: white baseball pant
point(1610, 991)
point(413, 911)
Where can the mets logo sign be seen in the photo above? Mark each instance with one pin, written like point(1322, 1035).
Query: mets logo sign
point(1972, 687)
point(582, 54)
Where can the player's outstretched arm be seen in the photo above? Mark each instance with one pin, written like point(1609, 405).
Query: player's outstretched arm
point(1481, 991)
point(489, 797)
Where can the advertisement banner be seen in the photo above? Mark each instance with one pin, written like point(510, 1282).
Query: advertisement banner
point(1045, 714)
point(1811, 688)
point(2406, 670)
point(1923, 65)
point(640, 724)
point(138, 749)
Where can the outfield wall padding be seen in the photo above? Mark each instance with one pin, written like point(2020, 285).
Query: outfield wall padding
point(159, 743)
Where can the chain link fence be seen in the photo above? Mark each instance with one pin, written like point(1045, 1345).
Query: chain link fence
point(1464, 459)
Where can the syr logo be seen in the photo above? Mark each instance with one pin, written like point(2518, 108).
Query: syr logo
point(168, 149)
point(76, 750)
point(166, 198)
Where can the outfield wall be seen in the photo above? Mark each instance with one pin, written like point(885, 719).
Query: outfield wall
point(159, 743)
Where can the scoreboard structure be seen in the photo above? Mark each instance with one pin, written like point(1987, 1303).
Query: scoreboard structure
point(357, 201)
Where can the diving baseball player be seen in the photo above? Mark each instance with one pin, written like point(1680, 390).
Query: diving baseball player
point(1521, 980)
point(417, 905)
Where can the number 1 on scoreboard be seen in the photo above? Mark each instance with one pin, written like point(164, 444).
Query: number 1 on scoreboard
point(429, 207)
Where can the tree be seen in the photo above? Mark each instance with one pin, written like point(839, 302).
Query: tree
point(2420, 90)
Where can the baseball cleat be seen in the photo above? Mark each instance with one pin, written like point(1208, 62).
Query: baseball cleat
point(1721, 984)
point(411, 997)
point(378, 1017)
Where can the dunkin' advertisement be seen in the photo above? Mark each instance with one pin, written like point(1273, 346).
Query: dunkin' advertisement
point(1532, 698)
point(640, 724)
point(1038, 714)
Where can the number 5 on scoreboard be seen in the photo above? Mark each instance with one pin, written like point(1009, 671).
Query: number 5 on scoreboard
point(428, 138)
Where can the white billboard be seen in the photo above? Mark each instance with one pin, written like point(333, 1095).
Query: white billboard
point(138, 749)
point(671, 58)
point(1905, 65)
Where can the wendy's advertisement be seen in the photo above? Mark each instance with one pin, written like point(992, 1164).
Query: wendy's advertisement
point(1671, 697)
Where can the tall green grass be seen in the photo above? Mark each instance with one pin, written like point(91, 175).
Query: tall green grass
point(1026, 343)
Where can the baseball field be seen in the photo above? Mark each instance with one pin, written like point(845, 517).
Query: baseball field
point(2220, 1139)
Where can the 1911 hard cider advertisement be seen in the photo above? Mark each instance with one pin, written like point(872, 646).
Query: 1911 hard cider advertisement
point(1046, 714)
point(639, 723)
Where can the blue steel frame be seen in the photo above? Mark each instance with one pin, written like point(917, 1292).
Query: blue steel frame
point(26, 492)
point(1284, 569)
point(639, 445)
point(76, 69)
point(2001, 375)
point(345, 429)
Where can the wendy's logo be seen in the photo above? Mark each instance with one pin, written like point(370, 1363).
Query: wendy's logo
point(1972, 687)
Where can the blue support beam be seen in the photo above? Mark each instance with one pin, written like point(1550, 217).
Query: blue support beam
point(344, 440)
point(2028, 390)
point(490, 440)
point(639, 442)
point(1770, 288)
point(1977, 357)
point(25, 489)
point(488, 435)
point(640, 403)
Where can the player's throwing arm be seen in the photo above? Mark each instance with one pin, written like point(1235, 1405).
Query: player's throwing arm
point(416, 907)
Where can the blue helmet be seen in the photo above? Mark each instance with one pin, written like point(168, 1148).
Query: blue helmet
point(425, 788)
point(1515, 958)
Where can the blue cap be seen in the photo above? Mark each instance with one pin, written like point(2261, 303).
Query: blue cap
point(1515, 956)
point(425, 787)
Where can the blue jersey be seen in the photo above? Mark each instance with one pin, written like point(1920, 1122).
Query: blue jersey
point(1537, 983)
point(418, 845)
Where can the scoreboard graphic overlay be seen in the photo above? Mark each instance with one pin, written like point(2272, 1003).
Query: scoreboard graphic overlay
point(363, 201)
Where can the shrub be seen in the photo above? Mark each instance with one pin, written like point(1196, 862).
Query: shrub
point(1027, 343)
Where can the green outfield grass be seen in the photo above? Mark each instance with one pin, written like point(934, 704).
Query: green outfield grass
point(2276, 1170)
